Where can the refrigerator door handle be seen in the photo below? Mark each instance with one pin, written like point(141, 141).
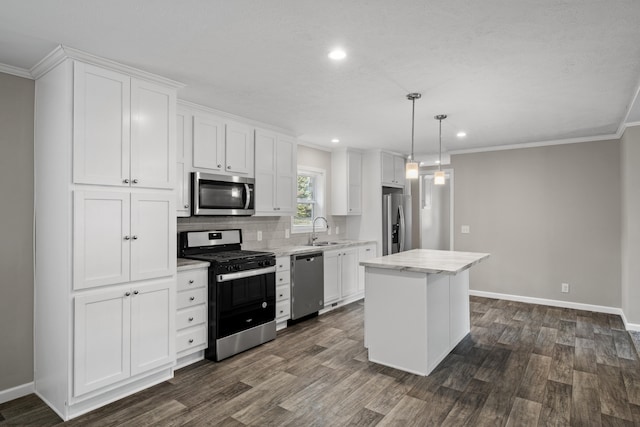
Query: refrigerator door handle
point(389, 229)
point(401, 230)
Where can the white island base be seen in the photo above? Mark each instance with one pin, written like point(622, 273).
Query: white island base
point(413, 319)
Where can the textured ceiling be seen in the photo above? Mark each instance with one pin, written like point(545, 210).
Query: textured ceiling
point(507, 72)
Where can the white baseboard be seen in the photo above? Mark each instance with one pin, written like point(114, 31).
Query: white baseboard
point(557, 303)
point(16, 392)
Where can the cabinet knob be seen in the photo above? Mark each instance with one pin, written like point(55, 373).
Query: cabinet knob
point(136, 292)
point(219, 166)
point(280, 295)
point(228, 167)
point(126, 294)
point(126, 180)
point(190, 340)
point(192, 299)
point(134, 237)
point(186, 206)
point(135, 181)
point(127, 238)
point(191, 281)
point(190, 319)
point(280, 279)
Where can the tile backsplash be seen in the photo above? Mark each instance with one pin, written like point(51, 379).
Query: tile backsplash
point(273, 229)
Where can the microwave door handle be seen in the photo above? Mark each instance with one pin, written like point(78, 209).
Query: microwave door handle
point(247, 191)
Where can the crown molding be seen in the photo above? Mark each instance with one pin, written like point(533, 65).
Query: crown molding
point(203, 108)
point(15, 71)
point(61, 53)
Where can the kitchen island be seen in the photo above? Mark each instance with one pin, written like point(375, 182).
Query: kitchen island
point(416, 307)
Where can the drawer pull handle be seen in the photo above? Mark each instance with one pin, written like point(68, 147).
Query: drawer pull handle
point(192, 299)
point(190, 319)
point(190, 340)
point(126, 294)
point(136, 292)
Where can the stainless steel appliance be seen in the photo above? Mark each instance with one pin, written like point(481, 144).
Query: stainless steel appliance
point(396, 221)
point(307, 284)
point(241, 291)
point(221, 195)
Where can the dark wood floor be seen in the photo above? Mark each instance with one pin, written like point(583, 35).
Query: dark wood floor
point(521, 365)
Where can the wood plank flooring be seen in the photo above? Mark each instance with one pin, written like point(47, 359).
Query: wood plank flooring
point(521, 365)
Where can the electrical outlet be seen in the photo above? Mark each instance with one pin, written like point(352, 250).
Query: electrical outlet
point(259, 237)
point(337, 230)
point(287, 233)
point(328, 231)
point(465, 229)
point(565, 287)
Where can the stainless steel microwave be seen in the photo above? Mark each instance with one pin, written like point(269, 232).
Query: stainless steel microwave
point(221, 195)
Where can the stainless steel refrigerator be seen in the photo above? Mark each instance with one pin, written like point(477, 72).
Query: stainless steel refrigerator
point(396, 221)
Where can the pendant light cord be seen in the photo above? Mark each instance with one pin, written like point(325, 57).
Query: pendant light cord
point(413, 120)
point(440, 148)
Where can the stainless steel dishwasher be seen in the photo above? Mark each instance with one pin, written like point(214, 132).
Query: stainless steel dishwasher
point(307, 285)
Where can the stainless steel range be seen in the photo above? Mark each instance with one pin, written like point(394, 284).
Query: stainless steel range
point(242, 290)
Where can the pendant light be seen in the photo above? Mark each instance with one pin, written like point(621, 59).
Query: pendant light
point(438, 177)
point(412, 167)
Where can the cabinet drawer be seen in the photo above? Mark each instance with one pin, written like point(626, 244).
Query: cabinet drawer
point(192, 279)
point(282, 263)
point(283, 309)
point(191, 338)
point(283, 277)
point(283, 292)
point(191, 316)
point(191, 298)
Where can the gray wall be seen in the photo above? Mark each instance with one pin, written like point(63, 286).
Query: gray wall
point(16, 229)
point(630, 175)
point(547, 215)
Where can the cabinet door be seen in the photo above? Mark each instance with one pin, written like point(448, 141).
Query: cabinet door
point(101, 126)
point(184, 128)
point(364, 253)
point(152, 325)
point(265, 171)
point(101, 339)
point(349, 272)
point(286, 175)
point(100, 238)
point(399, 171)
point(153, 237)
point(354, 198)
point(239, 149)
point(208, 142)
point(153, 135)
point(331, 277)
point(388, 171)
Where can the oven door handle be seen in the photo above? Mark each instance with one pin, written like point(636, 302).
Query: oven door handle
point(244, 274)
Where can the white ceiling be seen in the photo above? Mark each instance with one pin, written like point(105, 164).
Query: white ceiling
point(505, 71)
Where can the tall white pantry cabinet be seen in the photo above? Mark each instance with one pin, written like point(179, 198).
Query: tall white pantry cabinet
point(105, 231)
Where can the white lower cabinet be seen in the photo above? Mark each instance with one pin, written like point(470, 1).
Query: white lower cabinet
point(340, 274)
point(191, 315)
point(283, 291)
point(365, 252)
point(120, 333)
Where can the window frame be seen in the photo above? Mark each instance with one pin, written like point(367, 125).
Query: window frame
point(319, 199)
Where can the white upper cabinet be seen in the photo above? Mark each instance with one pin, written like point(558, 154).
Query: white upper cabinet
point(222, 146)
point(184, 138)
point(275, 172)
point(393, 173)
point(123, 130)
point(346, 182)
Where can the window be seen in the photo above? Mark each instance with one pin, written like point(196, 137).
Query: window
point(310, 199)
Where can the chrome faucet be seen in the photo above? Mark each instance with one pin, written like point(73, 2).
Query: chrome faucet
point(313, 236)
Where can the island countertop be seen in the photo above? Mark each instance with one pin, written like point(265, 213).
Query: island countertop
point(427, 261)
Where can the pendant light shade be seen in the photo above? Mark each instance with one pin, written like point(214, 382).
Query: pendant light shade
point(438, 177)
point(412, 167)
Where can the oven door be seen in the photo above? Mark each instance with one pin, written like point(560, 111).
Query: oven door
point(221, 195)
point(244, 299)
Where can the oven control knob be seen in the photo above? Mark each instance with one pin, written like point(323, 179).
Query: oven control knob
point(237, 267)
point(264, 305)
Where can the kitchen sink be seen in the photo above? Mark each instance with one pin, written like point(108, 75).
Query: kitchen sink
point(323, 244)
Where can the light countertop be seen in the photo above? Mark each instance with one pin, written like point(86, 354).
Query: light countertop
point(296, 250)
point(427, 261)
point(190, 264)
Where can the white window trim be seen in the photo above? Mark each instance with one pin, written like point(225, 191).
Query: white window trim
point(320, 200)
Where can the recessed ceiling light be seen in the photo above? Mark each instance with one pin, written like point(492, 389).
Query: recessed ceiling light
point(437, 162)
point(337, 54)
point(335, 140)
point(461, 134)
